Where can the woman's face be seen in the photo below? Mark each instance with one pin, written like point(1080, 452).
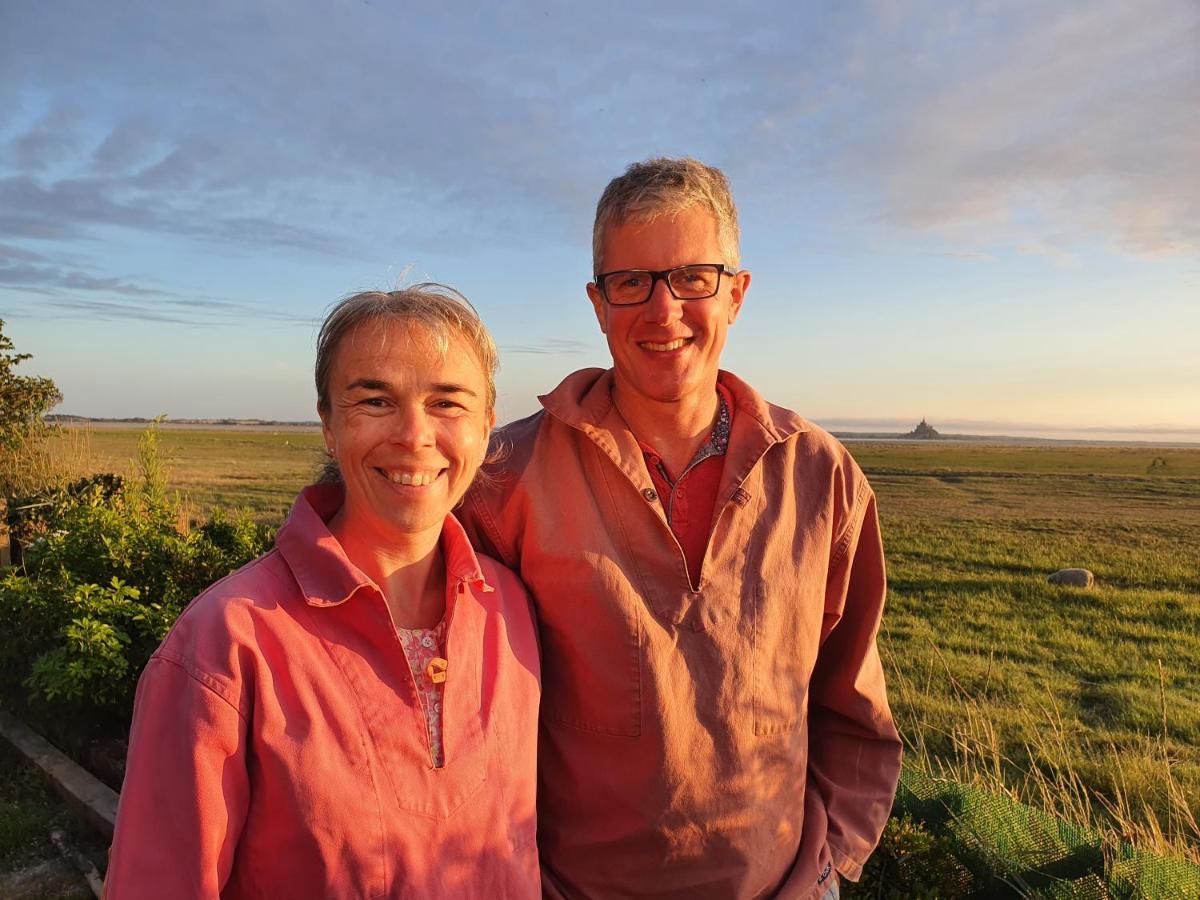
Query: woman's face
point(407, 425)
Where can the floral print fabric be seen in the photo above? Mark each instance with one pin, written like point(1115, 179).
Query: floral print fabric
point(422, 646)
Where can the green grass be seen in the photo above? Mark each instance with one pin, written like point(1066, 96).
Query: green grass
point(27, 813)
point(1087, 702)
point(994, 670)
point(257, 470)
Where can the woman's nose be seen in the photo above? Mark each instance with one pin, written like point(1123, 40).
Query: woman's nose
point(412, 428)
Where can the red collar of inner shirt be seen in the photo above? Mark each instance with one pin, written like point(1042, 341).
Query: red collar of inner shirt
point(718, 440)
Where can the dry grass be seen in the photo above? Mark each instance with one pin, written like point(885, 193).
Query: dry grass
point(1083, 703)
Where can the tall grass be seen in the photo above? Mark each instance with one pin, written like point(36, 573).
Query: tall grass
point(1047, 774)
point(46, 458)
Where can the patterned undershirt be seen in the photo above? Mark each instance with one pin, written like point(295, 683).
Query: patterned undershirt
point(421, 647)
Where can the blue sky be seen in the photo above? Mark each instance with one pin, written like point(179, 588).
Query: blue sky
point(977, 212)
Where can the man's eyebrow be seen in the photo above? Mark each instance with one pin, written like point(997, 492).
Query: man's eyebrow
point(369, 384)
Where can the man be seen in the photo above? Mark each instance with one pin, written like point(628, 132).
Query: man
point(708, 576)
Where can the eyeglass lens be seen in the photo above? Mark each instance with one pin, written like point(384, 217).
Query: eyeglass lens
point(686, 283)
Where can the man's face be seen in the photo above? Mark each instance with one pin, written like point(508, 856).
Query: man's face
point(667, 350)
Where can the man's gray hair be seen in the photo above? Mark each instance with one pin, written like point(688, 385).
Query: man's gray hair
point(665, 186)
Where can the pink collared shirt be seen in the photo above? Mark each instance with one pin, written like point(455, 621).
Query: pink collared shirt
point(279, 749)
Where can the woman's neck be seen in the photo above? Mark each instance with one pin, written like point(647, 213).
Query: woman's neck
point(410, 570)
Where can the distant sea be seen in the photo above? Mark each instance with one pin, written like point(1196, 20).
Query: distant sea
point(891, 429)
point(849, 429)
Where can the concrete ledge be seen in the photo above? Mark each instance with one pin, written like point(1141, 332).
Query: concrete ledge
point(91, 798)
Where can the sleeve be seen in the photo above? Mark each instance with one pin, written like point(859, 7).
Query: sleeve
point(186, 790)
point(855, 750)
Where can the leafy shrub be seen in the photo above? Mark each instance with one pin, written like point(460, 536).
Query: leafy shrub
point(106, 572)
point(24, 400)
point(911, 863)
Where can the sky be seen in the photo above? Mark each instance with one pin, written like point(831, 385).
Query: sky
point(983, 213)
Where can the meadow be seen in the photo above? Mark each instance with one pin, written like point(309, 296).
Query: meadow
point(1085, 702)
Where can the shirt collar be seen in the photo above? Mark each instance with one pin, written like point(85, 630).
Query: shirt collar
point(324, 573)
point(584, 400)
point(718, 439)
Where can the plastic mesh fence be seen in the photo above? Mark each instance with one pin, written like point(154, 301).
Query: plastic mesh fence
point(1016, 851)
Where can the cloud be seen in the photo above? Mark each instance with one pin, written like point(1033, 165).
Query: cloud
point(547, 346)
point(291, 129)
point(10, 252)
point(1078, 124)
point(62, 290)
point(53, 137)
point(71, 207)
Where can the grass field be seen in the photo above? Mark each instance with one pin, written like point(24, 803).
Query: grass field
point(992, 669)
point(1084, 701)
point(256, 470)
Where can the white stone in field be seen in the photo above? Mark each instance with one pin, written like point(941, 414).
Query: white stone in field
point(1073, 578)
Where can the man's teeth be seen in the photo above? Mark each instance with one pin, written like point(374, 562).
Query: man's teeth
point(418, 479)
point(662, 348)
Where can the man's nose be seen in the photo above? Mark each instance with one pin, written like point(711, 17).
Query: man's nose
point(663, 307)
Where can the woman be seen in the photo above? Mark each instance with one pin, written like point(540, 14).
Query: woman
point(353, 714)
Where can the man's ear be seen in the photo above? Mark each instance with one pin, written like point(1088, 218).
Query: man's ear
point(598, 306)
point(740, 284)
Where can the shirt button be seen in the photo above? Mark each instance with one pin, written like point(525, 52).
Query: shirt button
point(650, 494)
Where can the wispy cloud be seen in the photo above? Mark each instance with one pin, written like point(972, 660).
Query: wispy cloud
point(547, 346)
point(72, 291)
point(1070, 124)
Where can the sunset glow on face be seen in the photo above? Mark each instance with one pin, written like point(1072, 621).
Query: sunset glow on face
point(407, 425)
point(666, 349)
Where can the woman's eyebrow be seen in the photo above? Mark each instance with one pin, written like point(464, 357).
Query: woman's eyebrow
point(378, 384)
point(451, 388)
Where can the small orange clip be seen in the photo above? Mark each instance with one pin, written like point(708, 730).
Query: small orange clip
point(436, 670)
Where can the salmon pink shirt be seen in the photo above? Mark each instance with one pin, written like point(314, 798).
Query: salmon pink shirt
point(280, 747)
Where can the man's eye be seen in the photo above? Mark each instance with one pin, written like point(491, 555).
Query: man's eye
point(373, 402)
point(632, 280)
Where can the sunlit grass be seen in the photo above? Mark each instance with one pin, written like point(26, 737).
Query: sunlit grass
point(1084, 702)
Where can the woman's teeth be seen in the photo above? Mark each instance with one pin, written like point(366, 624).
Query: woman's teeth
point(417, 479)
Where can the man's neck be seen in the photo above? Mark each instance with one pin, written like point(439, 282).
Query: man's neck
point(675, 429)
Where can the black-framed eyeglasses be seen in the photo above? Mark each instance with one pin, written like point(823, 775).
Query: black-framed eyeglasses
point(629, 287)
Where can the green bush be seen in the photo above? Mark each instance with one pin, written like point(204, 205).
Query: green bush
point(105, 573)
point(911, 863)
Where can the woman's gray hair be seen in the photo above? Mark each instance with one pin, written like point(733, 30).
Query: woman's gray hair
point(440, 310)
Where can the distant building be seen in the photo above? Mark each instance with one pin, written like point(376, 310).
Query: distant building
point(924, 431)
